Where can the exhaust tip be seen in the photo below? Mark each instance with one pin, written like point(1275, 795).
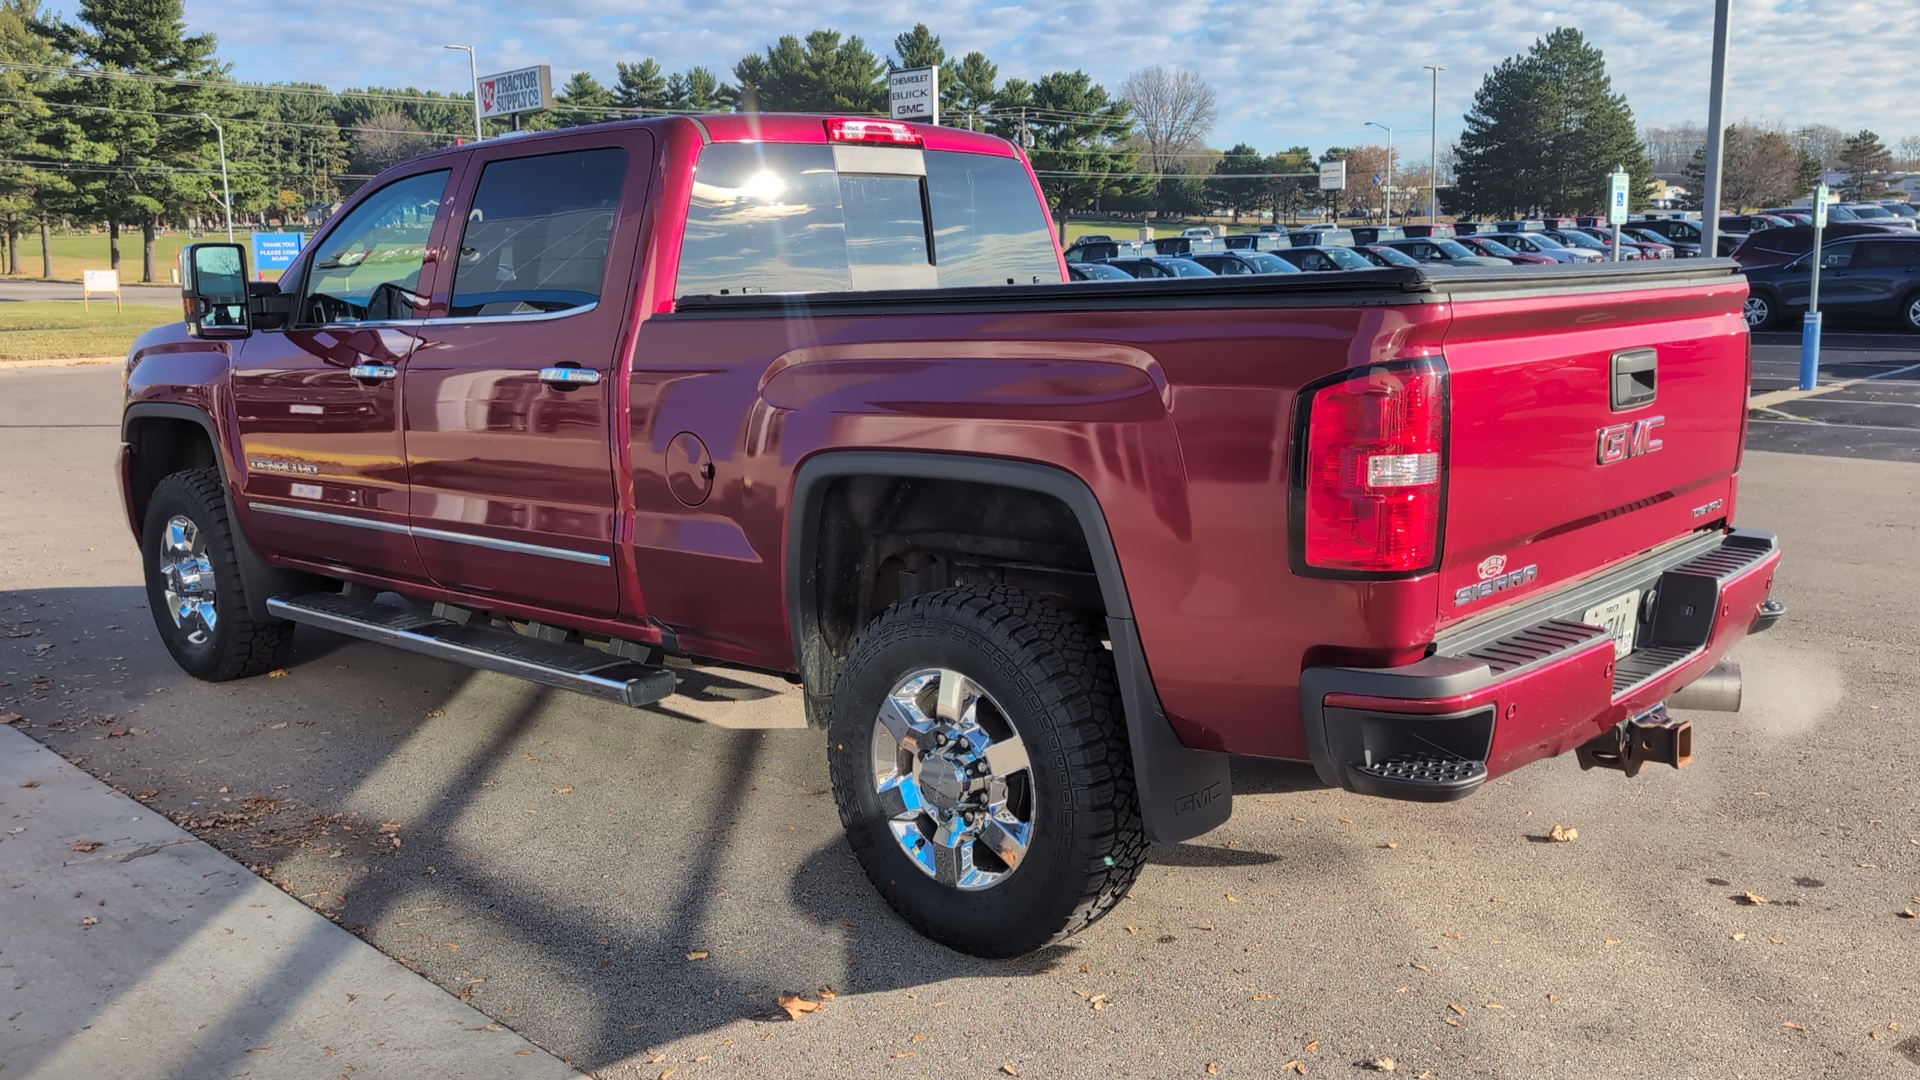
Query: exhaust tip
point(1717, 690)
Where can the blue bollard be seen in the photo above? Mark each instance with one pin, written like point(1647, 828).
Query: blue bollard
point(1810, 351)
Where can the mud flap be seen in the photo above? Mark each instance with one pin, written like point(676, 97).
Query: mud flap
point(1183, 792)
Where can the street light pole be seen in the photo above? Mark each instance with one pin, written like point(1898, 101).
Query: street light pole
point(1389, 132)
point(226, 193)
point(1433, 148)
point(473, 68)
point(1716, 134)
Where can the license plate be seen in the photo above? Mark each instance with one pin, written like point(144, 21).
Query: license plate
point(1618, 616)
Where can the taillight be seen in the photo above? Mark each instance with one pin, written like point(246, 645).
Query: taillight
point(1368, 485)
point(884, 132)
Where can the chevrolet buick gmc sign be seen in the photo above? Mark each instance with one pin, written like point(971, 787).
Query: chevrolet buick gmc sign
point(914, 94)
point(525, 90)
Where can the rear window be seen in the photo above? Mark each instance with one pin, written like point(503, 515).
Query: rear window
point(537, 237)
point(779, 218)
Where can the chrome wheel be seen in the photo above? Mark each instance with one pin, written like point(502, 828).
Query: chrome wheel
point(953, 779)
point(186, 573)
point(1913, 312)
point(1758, 311)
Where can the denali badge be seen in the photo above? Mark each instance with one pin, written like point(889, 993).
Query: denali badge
point(300, 468)
point(1500, 583)
point(1622, 441)
point(1492, 566)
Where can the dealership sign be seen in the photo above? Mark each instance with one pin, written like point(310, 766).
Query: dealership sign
point(1333, 175)
point(914, 94)
point(525, 90)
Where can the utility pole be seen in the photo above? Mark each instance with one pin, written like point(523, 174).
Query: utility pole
point(473, 66)
point(1716, 133)
point(1433, 147)
point(226, 193)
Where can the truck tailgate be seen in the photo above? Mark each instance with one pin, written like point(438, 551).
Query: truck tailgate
point(1586, 427)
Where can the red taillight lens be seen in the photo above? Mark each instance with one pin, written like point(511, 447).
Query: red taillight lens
point(1374, 449)
point(884, 132)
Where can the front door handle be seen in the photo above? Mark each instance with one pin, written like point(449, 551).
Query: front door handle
point(569, 377)
point(374, 372)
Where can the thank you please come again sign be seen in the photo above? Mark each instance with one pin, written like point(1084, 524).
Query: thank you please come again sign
point(525, 90)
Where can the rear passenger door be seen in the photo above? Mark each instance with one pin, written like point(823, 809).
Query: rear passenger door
point(1880, 275)
point(509, 395)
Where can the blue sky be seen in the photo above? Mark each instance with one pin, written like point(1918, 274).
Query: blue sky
point(1286, 71)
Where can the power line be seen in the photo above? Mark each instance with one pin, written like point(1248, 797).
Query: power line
point(195, 116)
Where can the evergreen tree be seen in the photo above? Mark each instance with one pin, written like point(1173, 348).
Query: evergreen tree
point(152, 157)
point(920, 47)
point(584, 101)
point(305, 151)
point(1249, 192)
point(699, 90)
point(1289, 195)
point(972, 89)
point(640, 86)
point(1545, 130)
point(1081, 138)
point(1866, 164)
point(827, 74)
point(28, 191)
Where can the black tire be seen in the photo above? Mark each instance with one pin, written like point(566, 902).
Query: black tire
point(1910, 312)
point(1762, 310)
point(236, 646)
point(1054, 683)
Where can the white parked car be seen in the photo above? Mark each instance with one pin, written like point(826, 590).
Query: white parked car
point(1200, 232)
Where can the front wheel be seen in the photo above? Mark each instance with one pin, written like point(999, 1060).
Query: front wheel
point(1760, 311)
point(981, 766)
point(193, 584)
point(1910, 312)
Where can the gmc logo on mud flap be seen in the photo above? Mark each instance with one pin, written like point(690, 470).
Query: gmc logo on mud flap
point(1623, 441)
point(1197, 800)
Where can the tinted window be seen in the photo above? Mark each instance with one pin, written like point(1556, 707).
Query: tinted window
point(1836, 257)
point(1885, 253)
point(367, 268)
point(1454, 248)
point(1493, 247)
point(537, 236)
point(778, 218)
point(1269, 264)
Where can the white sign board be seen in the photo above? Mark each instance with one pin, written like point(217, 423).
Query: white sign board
point(99, 281)
point(525, 90)
point(914, 94)
point(1333, 176)
point(1617, 202)
point(1820, 196)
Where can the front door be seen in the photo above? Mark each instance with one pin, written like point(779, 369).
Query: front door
point(510, 394)
point(318, 406)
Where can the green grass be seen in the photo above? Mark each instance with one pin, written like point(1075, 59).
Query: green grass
point(62, 329)
point(89, 251)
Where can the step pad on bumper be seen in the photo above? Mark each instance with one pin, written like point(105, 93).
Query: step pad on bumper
point(1422, 777)
point(551, 663)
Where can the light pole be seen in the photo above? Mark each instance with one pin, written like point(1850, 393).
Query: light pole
point(473, 68)
point(226, 193)
point(1389, 132)
point(1716, 134)
point(1433, 148)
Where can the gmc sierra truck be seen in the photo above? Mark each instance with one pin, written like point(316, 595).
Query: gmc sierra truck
point(813, 395)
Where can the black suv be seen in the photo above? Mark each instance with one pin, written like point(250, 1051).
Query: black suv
point(1865, 277)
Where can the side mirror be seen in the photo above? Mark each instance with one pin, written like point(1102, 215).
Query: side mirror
point(213, 293)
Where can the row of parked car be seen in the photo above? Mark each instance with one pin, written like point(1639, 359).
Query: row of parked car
point(1870, 264)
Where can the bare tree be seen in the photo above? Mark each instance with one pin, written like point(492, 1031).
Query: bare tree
point(1174, 110)
point(1823, 141)
point(1908, 150)
point(386, 138)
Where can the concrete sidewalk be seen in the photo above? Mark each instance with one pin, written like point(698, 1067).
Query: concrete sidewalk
point(154, 955)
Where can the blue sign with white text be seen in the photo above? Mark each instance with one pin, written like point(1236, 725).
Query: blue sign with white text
point(276, 250)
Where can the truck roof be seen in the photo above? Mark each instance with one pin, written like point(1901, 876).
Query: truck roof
point(772, 128)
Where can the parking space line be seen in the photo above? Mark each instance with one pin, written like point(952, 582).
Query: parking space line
point(1779, 397)
point(1797, 422)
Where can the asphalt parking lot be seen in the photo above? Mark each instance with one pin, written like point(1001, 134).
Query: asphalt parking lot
point(1869, 404)
point(633, 890)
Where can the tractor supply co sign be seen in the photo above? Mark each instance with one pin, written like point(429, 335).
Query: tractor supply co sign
point(914, 94)
point(525, 90)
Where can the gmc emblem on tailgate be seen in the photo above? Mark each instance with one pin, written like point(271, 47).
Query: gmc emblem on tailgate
point(1623, 441)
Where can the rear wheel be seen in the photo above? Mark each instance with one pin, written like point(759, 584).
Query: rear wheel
point(193, 584)
point(1910, 311)
point(981, 766)
point(1761, 311)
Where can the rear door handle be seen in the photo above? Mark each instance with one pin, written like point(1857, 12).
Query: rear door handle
point(569, 377)
point(373, 372)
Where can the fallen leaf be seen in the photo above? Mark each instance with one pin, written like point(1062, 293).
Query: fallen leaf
point(1403, 990)
point(1232, 899)
point(1391, 845)
point(922, 1038)
point(564, 790)
point(452, 946)
point(1876, 1036)
point(903, 1054)
point(276, 727)
point(1009, 1069)
point(667, 1073)
point(1346, 821)
point(1494, 1005)
point(1753, 898)
point(827, 994)
point(1450, 934)
point(1739, 937)
point(797, 1006)
point(1613, 941)
point(1086, 969)
point(1457, 1009)
point(1553, 999)
point(277, 673)
point(1296, 1065)
point(1423, 967)
point(1261, 997)
point(1791, 1026)
point(1098, 1001)
point(1451, 1022)
point(11, 718)
point(698, 954)
point(89, 921)
point(146, 793)
point(1212, 1069)
point(1382, 1065)
point(83, 845)
point(117, 733)
point(389, 826)
point(431, 713)
point(1312, 1046)
point(1910, 914)
point(1133, 929)
point(1778, 941)
point(1299, 819)
point(1562, 834)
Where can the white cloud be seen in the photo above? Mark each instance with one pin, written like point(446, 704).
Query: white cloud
point(1287, 71)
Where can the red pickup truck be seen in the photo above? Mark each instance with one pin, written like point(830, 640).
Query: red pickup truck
point(813, 395)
